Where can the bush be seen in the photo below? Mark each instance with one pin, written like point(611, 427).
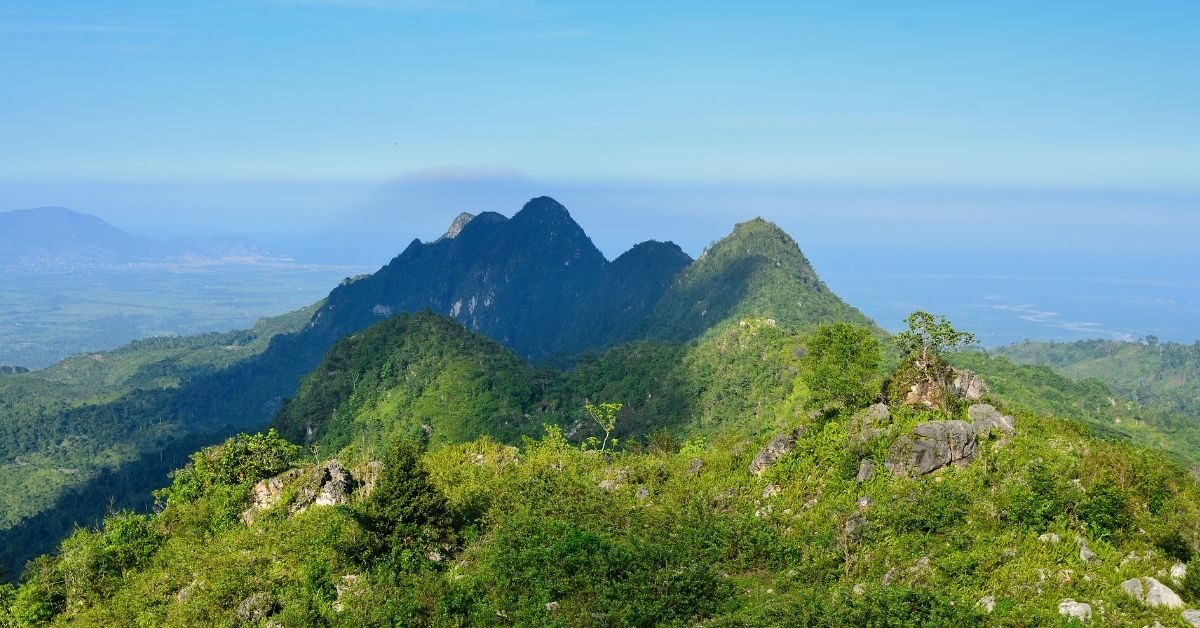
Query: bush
point(1105, 510)
point(406, 513)
point(1174, 544)
point(1190, 590)
point(243, 459)
point(841, 364)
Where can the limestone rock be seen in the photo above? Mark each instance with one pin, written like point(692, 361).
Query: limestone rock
point(776, 449)
point(866, 471)
point(1178, 573)
point(987, 603)
point(1086, 554)
point(1151, 592)
point(329, 484)
point(771, 490)
point(932, 446)
point(266, 493)
point(1192, 617)
point(642, 493)
point(967, 385)
point(1075, 610)
point(986, 420)
point(1050, 537)
point(256, 608)
point(695, 467)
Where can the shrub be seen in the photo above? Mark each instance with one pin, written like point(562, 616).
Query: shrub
point(404, 511)
point(841, 364)
point(243, 459)
point(1105, 510)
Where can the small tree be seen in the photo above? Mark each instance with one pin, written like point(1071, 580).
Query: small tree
point(929, 337)
point(925, 344)
point(841, 365)
point(605, 415)
point(405, 511)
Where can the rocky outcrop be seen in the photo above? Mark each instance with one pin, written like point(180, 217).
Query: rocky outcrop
point(987, 420)
point(967, 385)
point(256, 608)
point(956, 384)
point(932, 446)
point(1075, 610)
point(326, 484)
point(1192, 617)
point(1151, 592)
point(776, 449)
point(456, 227)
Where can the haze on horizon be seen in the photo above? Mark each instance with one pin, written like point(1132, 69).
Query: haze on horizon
point(1031, 162)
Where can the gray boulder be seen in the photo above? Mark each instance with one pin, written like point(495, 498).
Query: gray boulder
point(256, 608)
point(932, 446)
point(1151, 592)
point(1192, 617)
point(329, 484)
point(695, 467)
point(779, 446)
point(1086, 554)
point(866, 471)
point(1075, 610)
point(267, 493)
point(987, 420)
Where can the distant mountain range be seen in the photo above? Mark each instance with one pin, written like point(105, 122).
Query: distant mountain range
point(48, 238)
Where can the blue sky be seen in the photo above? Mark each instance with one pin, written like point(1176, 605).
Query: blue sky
point(1041, 138)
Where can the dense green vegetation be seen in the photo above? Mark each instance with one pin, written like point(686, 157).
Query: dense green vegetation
point(1159, 376)
point(104, 425)
point(670, 528)
point(1091, 401)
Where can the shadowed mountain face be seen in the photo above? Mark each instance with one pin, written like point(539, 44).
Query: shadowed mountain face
point(534, 282)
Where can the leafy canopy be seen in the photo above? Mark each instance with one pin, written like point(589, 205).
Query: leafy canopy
point(930, 336)
point(841, 365)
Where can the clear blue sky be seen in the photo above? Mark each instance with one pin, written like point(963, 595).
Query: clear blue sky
point(1018, 138)
point(1011, 93)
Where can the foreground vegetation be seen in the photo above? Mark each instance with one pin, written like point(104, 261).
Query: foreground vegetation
point(494, 507)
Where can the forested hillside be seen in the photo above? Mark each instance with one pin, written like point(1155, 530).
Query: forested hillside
point(1158, 375)
point(763, 492)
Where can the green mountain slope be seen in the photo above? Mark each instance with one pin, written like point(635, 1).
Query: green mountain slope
point(756, 271)
point(1162, 376)
point(670, 528)
point(70, 433)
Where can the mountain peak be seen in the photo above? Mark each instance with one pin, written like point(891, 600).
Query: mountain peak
point(456, 227)
point(543, 207)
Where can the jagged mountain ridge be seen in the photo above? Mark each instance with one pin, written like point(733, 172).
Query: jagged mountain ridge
point(534, 282)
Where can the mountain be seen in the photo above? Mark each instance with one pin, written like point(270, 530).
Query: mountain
point(758, 270)
point(48, 238)
point(534, 283)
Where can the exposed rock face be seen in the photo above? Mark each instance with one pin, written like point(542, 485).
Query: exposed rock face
point(986, 420)
point(1151, 592)
point(959, 384)
point(967, 385)
point(325, 485)
point(268, 492)
point(776, 449)
point(932, 446)
point(456, 227)
point(1075, 610)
